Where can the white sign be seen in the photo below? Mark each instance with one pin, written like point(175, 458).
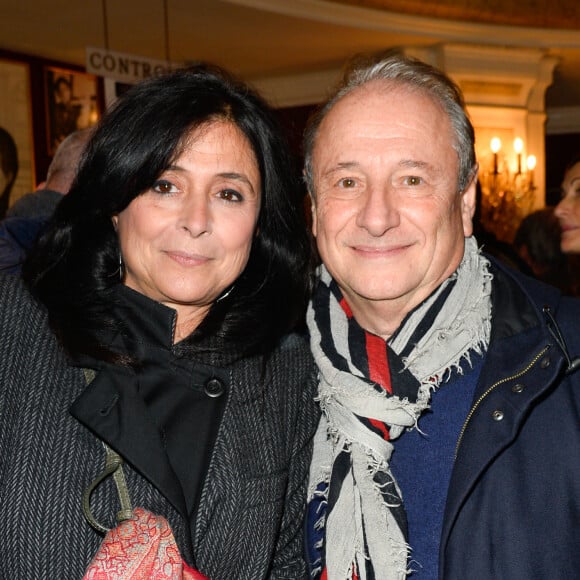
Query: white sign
point(126, 68)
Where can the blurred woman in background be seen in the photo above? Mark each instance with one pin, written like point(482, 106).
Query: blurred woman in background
point(568, 212)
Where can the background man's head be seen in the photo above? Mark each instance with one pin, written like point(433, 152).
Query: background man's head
point(63, 167)
point(8, 168)
point(390, 165)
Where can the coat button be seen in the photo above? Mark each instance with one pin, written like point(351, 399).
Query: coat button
point(497, 415)
point(545, 362)
point(214, 388)
point(518, 388)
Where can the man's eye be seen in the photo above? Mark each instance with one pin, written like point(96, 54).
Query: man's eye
point(163, 186)
point(347, 182)
point(413, 180)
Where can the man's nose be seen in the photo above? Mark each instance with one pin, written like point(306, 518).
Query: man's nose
point(379, 212)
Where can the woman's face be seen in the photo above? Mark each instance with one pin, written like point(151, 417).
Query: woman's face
point(568, 211)
point(188, 238)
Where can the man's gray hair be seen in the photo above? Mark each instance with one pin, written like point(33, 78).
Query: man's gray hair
point(414, 73)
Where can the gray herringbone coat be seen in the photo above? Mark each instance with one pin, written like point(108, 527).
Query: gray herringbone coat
point(249, 521)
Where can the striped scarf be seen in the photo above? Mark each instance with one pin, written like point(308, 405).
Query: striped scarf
point(370, 392)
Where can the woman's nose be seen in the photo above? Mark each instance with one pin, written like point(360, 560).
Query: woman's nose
point(562, 208)
point(195, 215)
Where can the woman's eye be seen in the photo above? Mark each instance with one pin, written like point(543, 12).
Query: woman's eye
point(413, 180)
point(163, 186)
point(230, 195)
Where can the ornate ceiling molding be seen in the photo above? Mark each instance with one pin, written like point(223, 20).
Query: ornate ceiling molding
point(452, 31)
point(561, 14)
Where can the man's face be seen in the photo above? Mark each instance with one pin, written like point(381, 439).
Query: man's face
point(387, 217)
point(3, 177)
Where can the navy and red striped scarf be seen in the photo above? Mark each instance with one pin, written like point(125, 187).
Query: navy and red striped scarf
point(371, 391)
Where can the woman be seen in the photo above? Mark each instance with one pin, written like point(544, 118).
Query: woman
point(568, 213)
point(174, 273)
point(568, 210)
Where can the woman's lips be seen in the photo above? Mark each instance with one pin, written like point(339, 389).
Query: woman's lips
point(187, 259)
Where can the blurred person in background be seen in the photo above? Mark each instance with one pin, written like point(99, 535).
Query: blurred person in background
point(568, 212)
point(28, 215)
point(8, 168)
point(537, 241)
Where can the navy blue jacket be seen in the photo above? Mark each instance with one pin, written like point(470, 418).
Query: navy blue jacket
point(513, 505)
point(16, 237)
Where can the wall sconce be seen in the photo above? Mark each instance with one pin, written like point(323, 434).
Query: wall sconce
point(507, 192)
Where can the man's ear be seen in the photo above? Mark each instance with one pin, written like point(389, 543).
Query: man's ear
point(468, 202)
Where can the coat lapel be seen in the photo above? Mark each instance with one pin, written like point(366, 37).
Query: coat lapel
point(112, 409)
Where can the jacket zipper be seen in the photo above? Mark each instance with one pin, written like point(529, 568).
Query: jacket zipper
point(493, 387)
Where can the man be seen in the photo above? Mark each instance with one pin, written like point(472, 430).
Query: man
point(8, 168)
point(449, 445)
point(28, 215)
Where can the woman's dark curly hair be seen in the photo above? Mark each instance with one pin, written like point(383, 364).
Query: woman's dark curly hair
point(75, 262)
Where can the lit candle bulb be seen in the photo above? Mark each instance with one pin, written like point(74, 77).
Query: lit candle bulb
point(495, 146)
point(518, 148)
point(531, 164)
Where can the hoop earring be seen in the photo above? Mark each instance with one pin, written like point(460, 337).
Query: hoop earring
point(226, 293)
point(121, 268)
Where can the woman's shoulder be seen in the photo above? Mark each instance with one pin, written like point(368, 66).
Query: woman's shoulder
point(12, 289)
point(18, 308)
point(287, 359)
point(295, 344)
point(292, 359)
point(294, 341)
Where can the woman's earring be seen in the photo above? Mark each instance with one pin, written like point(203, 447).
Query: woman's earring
point(121, 269)
point(226, 293)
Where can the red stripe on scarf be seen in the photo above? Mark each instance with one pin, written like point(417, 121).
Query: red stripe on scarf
point(378, 364)
point(379, 373)
point(381, 427)
point(344, 305)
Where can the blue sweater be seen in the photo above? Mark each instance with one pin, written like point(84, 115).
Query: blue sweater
point(422, 462)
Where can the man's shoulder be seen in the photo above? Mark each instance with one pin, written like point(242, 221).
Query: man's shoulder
point(538, 293)
point(522, 303)
point(22, 230)
point(37, 204)
point(17, 235)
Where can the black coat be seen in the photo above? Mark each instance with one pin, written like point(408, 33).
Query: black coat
point(249, 520)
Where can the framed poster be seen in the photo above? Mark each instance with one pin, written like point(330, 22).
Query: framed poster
point(71, 103)
point(17, 175)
